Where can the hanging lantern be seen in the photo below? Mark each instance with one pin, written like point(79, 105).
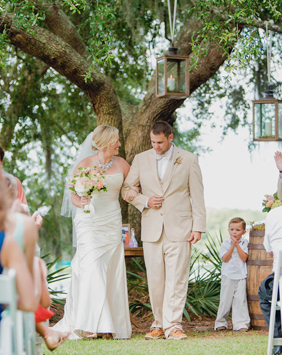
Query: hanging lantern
point(267, 118)
point(267, 113)
point(172, 75)
point(172, 79)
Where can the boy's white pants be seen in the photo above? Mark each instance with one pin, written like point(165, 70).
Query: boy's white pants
point(233, 294)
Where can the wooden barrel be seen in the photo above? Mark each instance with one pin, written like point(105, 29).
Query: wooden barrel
point(259, 266)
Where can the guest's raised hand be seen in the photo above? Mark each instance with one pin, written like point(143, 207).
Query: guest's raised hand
point(278, 160)
point(38, 220)
point(155, 202)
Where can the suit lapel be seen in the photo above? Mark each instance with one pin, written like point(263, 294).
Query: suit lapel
point(171, 169)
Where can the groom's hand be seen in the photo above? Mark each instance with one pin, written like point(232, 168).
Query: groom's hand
point(155, 202)
point(194, 237)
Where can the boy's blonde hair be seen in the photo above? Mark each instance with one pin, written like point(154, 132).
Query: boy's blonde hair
point(238, 220)
point(104, 136)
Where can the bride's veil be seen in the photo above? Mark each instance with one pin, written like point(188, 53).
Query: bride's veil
point(68, 209)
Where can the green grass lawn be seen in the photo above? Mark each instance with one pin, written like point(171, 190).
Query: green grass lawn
point(208, 343)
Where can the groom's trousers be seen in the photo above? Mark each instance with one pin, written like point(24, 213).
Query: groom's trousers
point(167, 265)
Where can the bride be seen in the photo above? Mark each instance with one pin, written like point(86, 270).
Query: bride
point(97, 302)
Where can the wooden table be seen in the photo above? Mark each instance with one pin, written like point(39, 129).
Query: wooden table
point(133, 252)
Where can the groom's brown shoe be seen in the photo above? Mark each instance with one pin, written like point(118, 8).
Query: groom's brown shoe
point(155, 333)
point(177, 334)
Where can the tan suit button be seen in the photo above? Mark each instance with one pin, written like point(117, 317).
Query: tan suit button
point(161, 214)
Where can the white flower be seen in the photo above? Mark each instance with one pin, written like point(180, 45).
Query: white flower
point(80, 189)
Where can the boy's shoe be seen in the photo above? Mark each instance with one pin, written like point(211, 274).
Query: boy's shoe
point(155, 333)
point(243, 330)
point(177, 334)
point(221, 328)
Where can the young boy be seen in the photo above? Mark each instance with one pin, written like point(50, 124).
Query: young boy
point(234, 254)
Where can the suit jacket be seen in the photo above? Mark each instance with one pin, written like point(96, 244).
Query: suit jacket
point(183, 208)
point(279, 190)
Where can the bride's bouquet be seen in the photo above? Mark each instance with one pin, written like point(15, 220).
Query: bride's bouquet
point(86, 183)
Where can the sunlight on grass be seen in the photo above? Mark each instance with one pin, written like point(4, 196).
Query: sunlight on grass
point(209, 343)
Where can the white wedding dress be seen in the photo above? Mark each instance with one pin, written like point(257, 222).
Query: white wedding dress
point(97, 301)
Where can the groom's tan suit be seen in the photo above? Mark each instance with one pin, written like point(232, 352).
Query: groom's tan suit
point(165, 230)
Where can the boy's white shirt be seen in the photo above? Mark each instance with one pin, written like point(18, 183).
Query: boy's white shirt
point(235, 268)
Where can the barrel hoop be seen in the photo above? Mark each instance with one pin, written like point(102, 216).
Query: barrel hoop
point(256, 316)
point(257, 233)
point(253, 298)
point(256, 246)
point(260, 262)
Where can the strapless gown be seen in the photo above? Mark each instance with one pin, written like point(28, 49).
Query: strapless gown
point(97, 301)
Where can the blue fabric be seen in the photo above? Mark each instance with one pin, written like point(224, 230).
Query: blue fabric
point(2, 236)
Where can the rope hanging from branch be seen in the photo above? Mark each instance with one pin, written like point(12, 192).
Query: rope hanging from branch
point(172, 23)
point(268, 51)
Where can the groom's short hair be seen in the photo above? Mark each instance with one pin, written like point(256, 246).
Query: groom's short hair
point(160, 127)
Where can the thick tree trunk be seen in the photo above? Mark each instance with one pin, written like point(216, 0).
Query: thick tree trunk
point(59, 45)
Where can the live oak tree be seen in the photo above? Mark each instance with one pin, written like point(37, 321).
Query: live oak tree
point(96, 55)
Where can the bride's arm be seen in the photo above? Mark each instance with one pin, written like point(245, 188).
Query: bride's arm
point(132, 193)
point(79, 202)
point(134, 190)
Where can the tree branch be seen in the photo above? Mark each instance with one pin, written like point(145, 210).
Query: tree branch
point(60, 24)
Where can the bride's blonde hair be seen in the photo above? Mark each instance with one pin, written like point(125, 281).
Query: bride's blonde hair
point(104, 136)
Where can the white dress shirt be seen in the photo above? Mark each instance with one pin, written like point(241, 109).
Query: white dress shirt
point(273, 232)
point(163, 161)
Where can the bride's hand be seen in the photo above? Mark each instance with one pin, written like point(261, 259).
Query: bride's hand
point(85, 200)
point(131, 194)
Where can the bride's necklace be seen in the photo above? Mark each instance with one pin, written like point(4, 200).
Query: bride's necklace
point(106, 166)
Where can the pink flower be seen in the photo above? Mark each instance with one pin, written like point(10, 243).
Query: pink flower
point(270, 198)
point(269, 203)
point(100, 184)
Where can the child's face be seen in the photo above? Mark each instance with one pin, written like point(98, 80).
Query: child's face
point(236, 230)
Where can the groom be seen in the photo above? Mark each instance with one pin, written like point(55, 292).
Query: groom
point(173, 218)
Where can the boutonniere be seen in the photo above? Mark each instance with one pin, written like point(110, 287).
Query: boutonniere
point(178, 160)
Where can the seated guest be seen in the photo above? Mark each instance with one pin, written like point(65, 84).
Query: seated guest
point(12, 257)
point(278, 160)
point(24, 231)
point(272, 244)
point(20, 190)
point(233, 293)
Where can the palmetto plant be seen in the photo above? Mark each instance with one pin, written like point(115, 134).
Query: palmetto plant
point(54, 277)
point(204, 283)
point(138, 290)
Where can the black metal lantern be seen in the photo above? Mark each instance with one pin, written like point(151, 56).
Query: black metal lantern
point(172, 79)
point(267, 118)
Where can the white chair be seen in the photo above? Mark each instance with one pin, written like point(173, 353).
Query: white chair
point(17, 328)
point(275, 305)
point(8, 329)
